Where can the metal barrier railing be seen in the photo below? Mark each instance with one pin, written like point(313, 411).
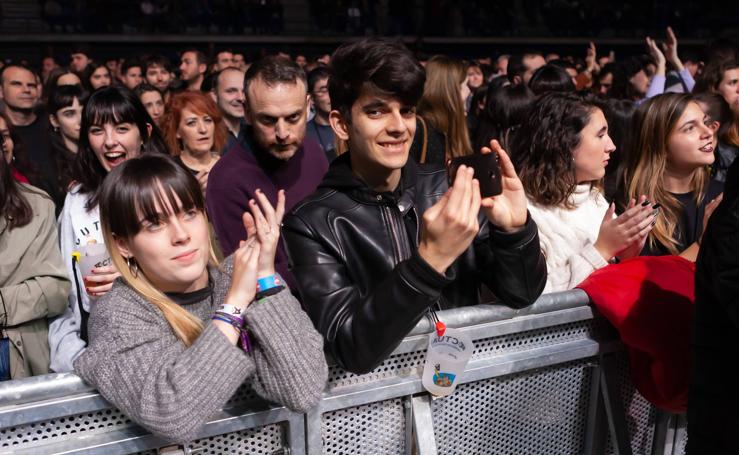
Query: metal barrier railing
point(550, 378)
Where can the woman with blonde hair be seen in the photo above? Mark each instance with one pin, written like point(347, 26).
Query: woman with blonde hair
point(194, 131)
point(669, 162)
point(442, 132)
point(197, 329)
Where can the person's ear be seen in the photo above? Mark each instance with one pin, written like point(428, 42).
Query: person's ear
point(714, 125)
point(53, 121)
point(339, 125)
point(202, 68)
point(122, 246)
point(517, 80)
point(213, 96)
point(149, 129)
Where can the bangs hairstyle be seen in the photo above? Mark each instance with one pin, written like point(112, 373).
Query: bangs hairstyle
point(644, 170)
point(199, 104)
point(374, 65)
point(542, 150)
point(63, 96)
point(131, 194)
point(112, 105)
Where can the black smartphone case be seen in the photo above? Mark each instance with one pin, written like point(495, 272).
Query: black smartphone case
point(487, 171)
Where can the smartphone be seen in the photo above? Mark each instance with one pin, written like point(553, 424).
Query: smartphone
point(487, 171)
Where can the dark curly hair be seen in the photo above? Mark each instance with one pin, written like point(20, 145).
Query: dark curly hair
point(542, 151)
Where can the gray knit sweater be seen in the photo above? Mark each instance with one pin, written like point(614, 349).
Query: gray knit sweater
point(137, 363)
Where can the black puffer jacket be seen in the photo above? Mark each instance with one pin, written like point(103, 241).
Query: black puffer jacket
point(713, 406)
point(354, 254)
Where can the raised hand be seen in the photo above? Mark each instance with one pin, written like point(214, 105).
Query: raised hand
point(263, 223)
point(657, 55)
point(244, 277)
point(670, 48)
point(450, 225)
point(625, 235)
point(591, 63)
point(508, 210)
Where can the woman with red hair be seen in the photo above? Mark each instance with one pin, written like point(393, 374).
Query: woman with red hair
point(194, 131)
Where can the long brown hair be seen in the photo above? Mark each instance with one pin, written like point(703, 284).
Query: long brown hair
point(132, 191)
point(442, 104)
point(645, 164)
point(199, 104)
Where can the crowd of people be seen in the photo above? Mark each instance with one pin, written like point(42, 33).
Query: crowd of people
point(256, 214)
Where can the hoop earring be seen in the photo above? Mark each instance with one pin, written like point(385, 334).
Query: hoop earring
point(132, 266)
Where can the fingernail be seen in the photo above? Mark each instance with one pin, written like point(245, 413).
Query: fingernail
point(645, 203)
point(656, 206)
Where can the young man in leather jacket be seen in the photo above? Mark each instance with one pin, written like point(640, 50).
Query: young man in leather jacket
point(383, 240)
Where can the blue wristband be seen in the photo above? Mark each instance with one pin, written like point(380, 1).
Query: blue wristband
point(268, 282)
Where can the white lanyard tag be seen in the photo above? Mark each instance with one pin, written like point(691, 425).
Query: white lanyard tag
point(446, 358)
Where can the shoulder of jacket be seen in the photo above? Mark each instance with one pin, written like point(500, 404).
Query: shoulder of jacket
point(321, 200)
point(36, 197)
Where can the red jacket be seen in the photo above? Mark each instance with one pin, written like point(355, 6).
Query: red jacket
point(649, 300)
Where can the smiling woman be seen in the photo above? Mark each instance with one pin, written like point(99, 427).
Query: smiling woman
point(669, 162)
point(115, 127)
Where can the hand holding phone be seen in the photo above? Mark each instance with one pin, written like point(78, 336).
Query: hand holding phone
point(487, 171)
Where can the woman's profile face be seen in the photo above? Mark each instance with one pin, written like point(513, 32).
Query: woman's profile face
point(691, 143)
point(114, 143)
point(591, 155)
point(197, 132)
point(68, 120)
point(172, 251)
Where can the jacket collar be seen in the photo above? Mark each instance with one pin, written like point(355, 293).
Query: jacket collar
point(341, 178)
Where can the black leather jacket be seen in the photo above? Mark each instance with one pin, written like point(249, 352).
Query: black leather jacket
point(354, 254)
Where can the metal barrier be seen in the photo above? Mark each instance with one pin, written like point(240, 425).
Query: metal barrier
point(551, 378)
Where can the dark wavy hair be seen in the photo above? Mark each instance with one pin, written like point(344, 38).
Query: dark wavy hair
point(114, 105)
point(542, 150)
point(374, 65)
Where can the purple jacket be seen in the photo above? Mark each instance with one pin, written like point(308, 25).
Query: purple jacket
point(233, 180)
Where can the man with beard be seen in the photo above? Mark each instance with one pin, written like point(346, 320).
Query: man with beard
point(158, 72)
point(276, 156)
point(193, 66)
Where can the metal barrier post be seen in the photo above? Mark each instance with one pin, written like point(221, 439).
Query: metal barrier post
point(595, 435)
point(423, 425)
point(614, 407)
